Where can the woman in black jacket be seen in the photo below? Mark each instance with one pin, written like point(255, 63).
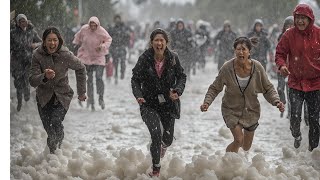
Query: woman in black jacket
point(157, 83)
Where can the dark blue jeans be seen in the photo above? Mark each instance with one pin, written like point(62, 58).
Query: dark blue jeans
point(312, 99)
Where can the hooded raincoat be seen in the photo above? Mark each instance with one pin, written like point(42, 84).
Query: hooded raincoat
point(302, 48)
point(89, 40)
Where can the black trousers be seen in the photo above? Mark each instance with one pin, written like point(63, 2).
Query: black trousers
point(52, 115)
point(119, 56)
point(312, 99)
point(21, 83)
point(283, 92)
point(99, 81)
point(152, 118)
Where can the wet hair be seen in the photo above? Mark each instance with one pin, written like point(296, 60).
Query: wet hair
point(56, 32)
point(243, 40)
point(159, 31)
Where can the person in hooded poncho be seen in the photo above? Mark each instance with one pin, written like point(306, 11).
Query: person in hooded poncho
point(94, 42)
point(260, 50)
point(23, 40)
point(298, 57)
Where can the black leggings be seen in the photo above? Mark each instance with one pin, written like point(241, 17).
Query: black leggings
point(152, 118)
point(52, 115)
point(312, 99)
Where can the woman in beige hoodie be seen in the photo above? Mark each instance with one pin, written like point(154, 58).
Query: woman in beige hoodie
point(244, 78)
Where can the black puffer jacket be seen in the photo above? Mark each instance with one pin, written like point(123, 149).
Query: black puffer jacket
point(259, 52)
point(181, 40)
point(146, 83)
point(120, 34)
point(20, 47)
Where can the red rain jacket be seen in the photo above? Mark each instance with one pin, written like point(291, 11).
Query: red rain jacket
point(300, 52)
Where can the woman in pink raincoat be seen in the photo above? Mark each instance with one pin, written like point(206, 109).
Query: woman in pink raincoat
point(94, 42)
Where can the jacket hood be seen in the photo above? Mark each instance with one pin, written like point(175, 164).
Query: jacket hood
point(30, 26)
point(95, 20)
point(305, 10)
point(21, 16)
point(180, 21)
point(100, 30)
point(256, 21)
point(287, 21)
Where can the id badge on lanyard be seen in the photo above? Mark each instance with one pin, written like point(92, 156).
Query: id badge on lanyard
point(161, 98)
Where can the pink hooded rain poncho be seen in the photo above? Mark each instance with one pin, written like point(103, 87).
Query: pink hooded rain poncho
point(89, 41)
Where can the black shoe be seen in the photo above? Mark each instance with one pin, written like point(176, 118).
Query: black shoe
point(101, 103)
point(297, 142)
point(19, 106)
point(26, 98)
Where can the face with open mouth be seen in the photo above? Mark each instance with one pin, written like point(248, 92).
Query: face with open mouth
point(301, 21)
point(93, 26)
point(242, 52)
point(52, 43)
point(159, 44)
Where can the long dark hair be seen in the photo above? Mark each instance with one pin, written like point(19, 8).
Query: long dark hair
point(55, 31)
